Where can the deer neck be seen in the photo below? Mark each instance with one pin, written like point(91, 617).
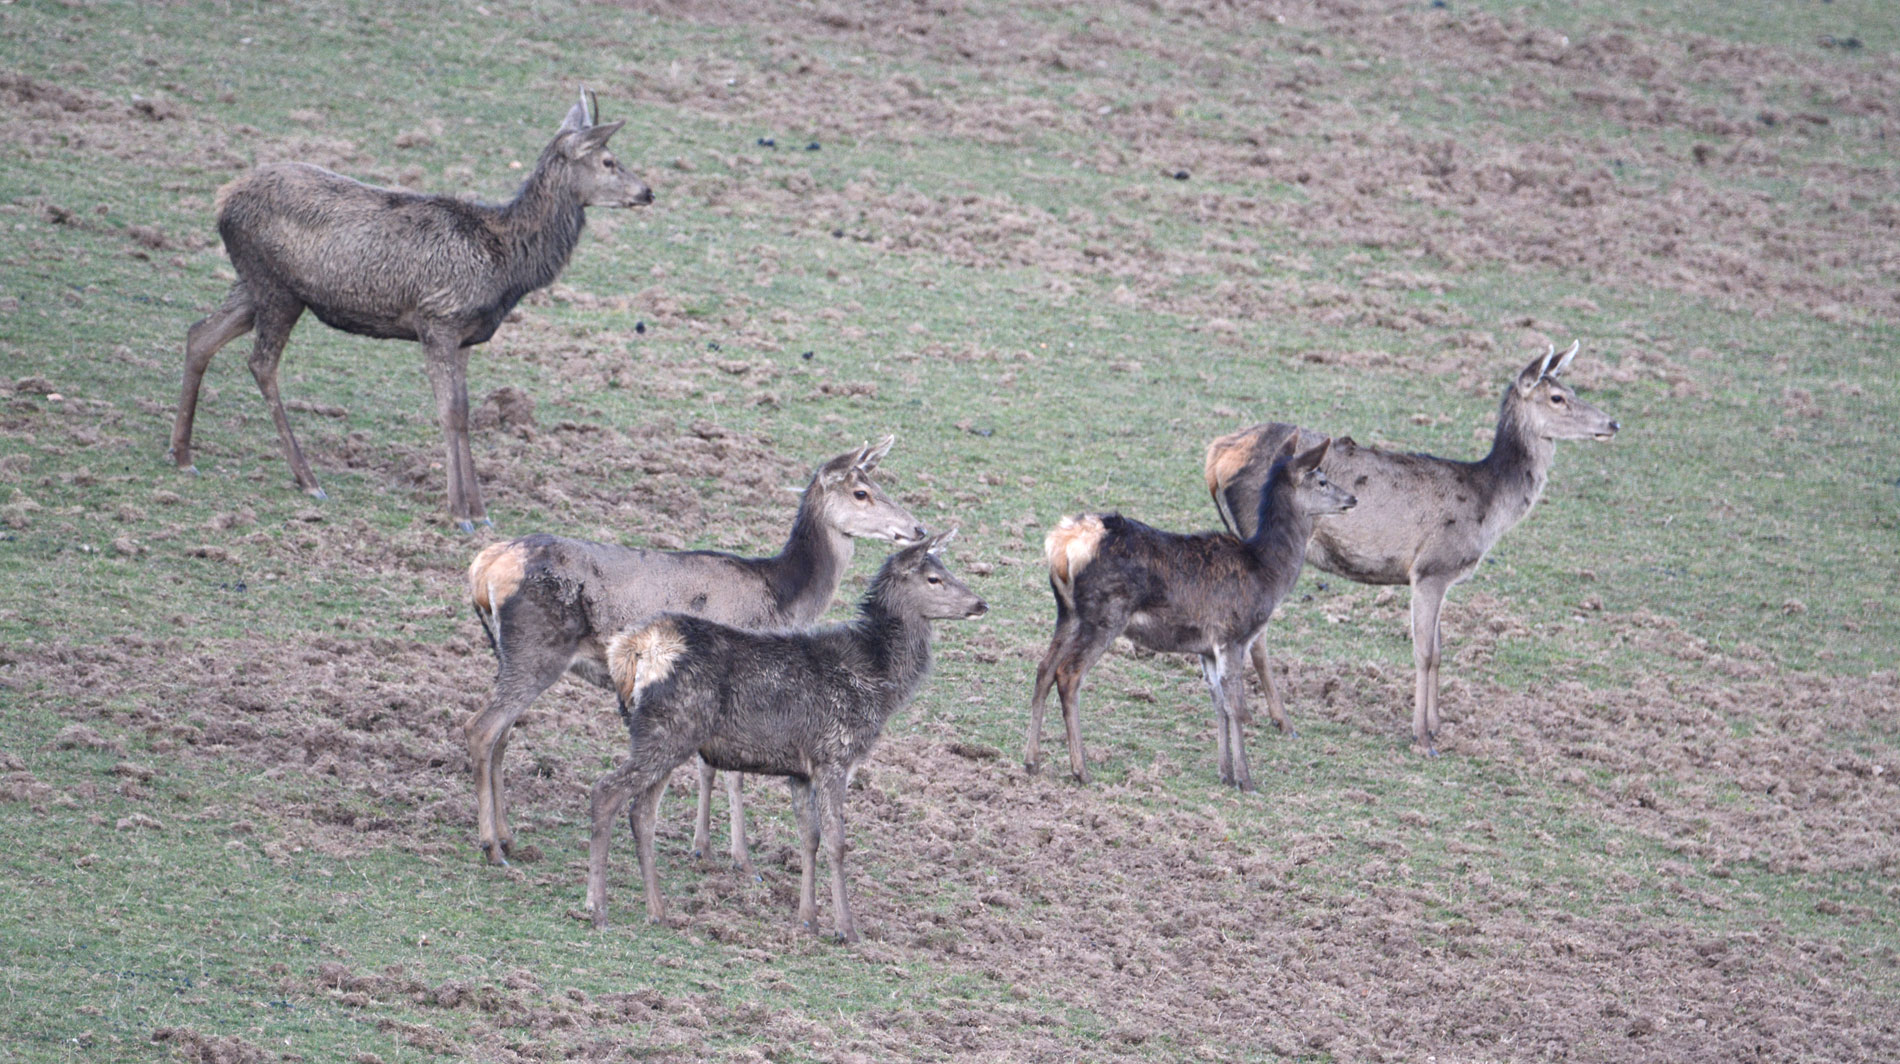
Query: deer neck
point(806, 572)
point(1519, 462)
point(1279, 541)
point(898, 642)
point(541, 226)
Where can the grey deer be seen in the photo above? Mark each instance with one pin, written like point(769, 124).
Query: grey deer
point(1209, 594)
point(549, 604)
point(397, 265)
point(808, 706)
point(1428, 521)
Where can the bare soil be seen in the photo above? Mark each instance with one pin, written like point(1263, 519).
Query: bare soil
point(1114, 900)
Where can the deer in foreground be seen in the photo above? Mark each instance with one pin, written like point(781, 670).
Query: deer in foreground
point(549, 604)
point(1209, 594)
point(397, 265)
point(1429, 521)
point(808, 706)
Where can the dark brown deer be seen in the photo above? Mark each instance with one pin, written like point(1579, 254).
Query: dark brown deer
point(397, 265)
point(1428, 521)
point(808, 706)
point(549, 605)
point(1208, 594)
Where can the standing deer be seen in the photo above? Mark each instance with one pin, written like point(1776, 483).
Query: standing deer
point(808, 706)
point(1429, 521)
point(397, 265)
point(548, 605)
point(1208, 594)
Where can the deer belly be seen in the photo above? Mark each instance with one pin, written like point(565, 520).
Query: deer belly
point(1165, 634)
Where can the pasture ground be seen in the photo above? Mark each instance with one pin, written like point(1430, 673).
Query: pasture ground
point(1054, 248)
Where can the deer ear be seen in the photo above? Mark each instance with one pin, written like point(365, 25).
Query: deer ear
point(577, 117)
point(589, 139)
point(869, 457)
point(1563, 360)
point(1288, 449)
point(1531, 374)
point(935, 544)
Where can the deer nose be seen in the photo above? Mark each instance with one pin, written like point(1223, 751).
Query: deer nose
point(979, 609)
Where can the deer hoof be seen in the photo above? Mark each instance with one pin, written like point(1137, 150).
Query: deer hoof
point(316, 493)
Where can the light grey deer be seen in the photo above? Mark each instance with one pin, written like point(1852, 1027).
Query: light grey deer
point(1423, 520)
point(549, 604)
point(397, 265)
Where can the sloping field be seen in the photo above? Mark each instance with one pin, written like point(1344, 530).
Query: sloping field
point(1055, 249)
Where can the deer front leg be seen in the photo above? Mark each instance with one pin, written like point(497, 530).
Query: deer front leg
point(273, 323)
point(702, 818)
point(447, 365)
point(1428, 599)
point(1234, 686)
point(1275, 708)
point(831, 814)
point(803, 799)
point(735, 812)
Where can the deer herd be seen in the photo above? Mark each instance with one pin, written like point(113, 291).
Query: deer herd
point(712, 656)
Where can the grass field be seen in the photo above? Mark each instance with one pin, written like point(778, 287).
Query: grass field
point(1055, 249)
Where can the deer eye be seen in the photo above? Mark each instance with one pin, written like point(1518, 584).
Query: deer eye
point(860, 495)
point(1556, 399)
point(933, 579)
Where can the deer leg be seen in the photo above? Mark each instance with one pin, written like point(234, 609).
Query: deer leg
point(831, 816)
point(735, 810)
point(1045, 679)
point(702, 820)
point(610, 793)
point(447, 365)
point(520, 680)
point(1275, 708)
point(1234, 684)
point(1211, 675)
point(1428, 597)
point(1085, 648)
point(803, 799)
point(274, 320)
point(211, 332)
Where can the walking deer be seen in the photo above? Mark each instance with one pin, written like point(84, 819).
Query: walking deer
point(549, 604)
point(1209, 594)
point(808, 706)
point(1428, 521)
point(397, 265)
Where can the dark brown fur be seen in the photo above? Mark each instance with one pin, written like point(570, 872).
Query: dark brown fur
point(397, 265)
point(1208, 594)
point(548, 605)
point(808, 706)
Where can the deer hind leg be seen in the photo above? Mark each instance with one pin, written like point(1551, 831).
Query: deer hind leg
point(612, 791)
point(1084, 649)
point(525, 672)
point(447, 365)
point(1045, 679)
point(274, 318)
point(1428, 599)
point(1275, 708)
point(231, 320)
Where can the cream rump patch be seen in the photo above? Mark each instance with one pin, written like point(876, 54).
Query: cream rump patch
point(637, 658)
point(1069, 548)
